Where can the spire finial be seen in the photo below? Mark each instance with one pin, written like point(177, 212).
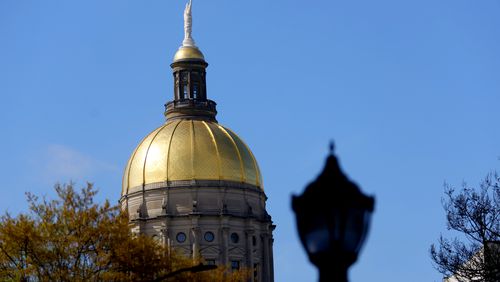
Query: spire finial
point(332, 147)
point(188, 25)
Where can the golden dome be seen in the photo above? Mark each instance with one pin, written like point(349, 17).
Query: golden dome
point(188, 53)
point(190, 150)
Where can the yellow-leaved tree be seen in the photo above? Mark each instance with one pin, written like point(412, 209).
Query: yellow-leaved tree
point(72, 238)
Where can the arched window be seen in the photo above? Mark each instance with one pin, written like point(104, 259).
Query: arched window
point(235, 238)
point(185, 93)
point(184, 85)
point(196, 90)
point(235, 265)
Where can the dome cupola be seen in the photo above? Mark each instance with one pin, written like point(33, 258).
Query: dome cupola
point(190, 86)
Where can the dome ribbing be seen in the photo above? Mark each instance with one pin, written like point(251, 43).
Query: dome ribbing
point(190, 150)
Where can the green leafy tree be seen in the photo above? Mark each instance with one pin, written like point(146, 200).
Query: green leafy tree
point(72, 238)
point(475, 214)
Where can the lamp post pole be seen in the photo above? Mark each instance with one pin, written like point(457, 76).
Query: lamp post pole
point(329, 273)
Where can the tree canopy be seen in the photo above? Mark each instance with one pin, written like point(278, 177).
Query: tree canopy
point(72, 238)
point(475, 214)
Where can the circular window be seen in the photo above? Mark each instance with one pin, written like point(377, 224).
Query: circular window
point(209, 236)
point(181, 237)
point(235, 238)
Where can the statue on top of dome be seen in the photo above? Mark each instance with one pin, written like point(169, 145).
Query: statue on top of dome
point(188, 25)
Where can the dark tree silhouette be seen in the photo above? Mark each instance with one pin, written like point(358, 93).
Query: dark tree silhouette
point(475, 214)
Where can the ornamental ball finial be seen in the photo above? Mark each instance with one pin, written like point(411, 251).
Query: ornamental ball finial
point(331, 147)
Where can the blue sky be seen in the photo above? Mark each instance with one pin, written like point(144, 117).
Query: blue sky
point(409, 91)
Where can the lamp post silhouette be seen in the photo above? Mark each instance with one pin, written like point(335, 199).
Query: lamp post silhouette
point(333, 217)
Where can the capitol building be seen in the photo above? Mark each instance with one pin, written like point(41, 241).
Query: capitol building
point(194, 184)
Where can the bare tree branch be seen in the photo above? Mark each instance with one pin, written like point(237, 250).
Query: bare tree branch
point(473, 213)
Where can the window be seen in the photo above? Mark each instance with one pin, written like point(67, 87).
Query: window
point(184, 77)
point(181, 237)
point(195, 90)
point(235, 264)
point(184, 84)
point(210, 262)
point(209, 236)
point(235, 238)
point(254, 241)
point(255, 272)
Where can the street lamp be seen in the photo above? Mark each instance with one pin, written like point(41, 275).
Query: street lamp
point(333, 216)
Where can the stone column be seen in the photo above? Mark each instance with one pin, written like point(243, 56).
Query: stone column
point(271, 259)
point(195, 233)
point(224, 245)
point(249, 254)
point(224, 238)
point(165, 232)
point(196, 237)
point(266, 271)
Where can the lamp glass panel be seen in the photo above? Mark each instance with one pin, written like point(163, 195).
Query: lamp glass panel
point(366, 227)
point(317, 240)
point(354, 230)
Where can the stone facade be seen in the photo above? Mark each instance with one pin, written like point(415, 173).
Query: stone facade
point(224, 222)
